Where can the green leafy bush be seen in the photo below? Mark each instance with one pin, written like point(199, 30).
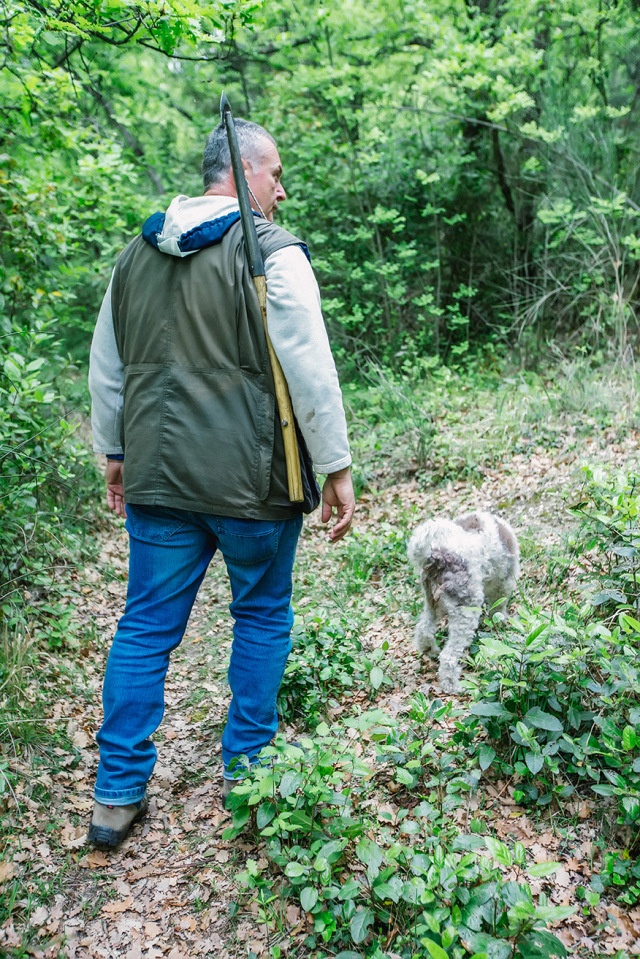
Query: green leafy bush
point(559, 698)
point(325, 663)
point(359, 881)
point(47, 473)
point(607, 546)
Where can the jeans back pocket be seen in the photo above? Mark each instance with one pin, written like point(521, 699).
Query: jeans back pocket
point(248, 541)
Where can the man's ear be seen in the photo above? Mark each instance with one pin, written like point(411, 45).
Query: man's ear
point(246, 167)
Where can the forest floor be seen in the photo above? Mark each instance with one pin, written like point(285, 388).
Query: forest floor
point(168, 889)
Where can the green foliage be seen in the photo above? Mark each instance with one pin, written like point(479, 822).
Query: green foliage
point(607, 544)
point(325, 663)
point(465, 177)
point(46, 471)
point(358, 880)
point(558, 697)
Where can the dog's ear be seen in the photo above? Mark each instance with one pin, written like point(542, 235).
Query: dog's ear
point(507, 538)
point(469, 522)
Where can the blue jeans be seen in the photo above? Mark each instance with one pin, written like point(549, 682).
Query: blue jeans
point(170, 550)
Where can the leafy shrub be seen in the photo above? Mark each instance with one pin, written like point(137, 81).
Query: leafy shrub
point(607, 547)
point(325, 662)
point(559, 700)
point(47, 473)
point(360, 882)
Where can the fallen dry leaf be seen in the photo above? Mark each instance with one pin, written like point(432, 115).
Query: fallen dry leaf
point(97, 859)
point(7, 871)
point(222, 855)
point(113, 907)
point(72, 837)
point(293, 915)
point(80, 739)
point(39, 916)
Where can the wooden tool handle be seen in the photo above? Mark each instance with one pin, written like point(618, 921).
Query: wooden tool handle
point(285, 410)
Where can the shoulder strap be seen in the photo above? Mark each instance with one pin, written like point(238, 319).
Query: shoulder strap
point(273, 237)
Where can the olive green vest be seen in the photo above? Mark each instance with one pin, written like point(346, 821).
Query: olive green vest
point(199, 425)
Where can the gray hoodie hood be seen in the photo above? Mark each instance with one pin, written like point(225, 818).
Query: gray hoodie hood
point(191, 224)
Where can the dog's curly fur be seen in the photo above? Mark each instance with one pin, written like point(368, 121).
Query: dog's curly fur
point(463, 563)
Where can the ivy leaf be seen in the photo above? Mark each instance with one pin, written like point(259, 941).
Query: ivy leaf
point(360, 922)
point(385, 890)
point(350, 890)
point(331, 851)
point(490, 709)
point(290, 782)
point(539, 870)
point(265, 814)
point(436, 951)
point(486, 757)
point(535, 762)
point(604, 790)
point(499, 851)
point(541, 944)
point(403, 776)
point(369, 853)
point(631, 806)
point(308, 898)
point(541, 720)
point(241, 816)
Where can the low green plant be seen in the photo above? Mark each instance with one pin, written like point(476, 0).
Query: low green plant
point(620, 875)
point(57, 626)
point(607, 544)
point(417, 881)
point(558, 697)
point(370, 557)
point(324, 663)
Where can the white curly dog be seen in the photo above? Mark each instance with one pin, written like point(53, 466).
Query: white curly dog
point(463, 563)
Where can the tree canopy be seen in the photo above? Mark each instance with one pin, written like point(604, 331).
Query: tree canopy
point(465, 174)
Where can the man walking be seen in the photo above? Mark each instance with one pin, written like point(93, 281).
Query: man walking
point(183, 407)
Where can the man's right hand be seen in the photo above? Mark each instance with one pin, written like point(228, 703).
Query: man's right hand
point(338, 491)
point(115, 489)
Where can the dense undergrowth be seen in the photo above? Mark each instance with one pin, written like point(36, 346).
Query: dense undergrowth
point(554, 713)
point(554, 708)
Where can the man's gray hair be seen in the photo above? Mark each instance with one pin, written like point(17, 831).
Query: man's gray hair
point(216, 159)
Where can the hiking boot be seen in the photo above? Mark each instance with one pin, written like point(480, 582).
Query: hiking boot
point(227, 786)
point(110, 824)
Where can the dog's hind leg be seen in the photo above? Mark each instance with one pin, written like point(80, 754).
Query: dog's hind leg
point(463, 622)
point(424, 636)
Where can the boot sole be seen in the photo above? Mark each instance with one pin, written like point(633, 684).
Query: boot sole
point(110, 838)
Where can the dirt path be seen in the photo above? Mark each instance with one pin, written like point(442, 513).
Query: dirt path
point(167, 890)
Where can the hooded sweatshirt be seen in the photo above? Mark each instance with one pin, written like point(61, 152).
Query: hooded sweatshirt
point(294, 320)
